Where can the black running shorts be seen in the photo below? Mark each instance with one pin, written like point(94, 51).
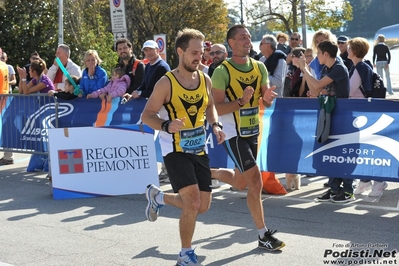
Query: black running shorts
point(242, 151)
point(187, 169)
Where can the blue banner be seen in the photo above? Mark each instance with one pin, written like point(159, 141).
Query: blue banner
point(363, 141)
point(25, 121)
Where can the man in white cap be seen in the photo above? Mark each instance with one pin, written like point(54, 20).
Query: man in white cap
point(155, 69)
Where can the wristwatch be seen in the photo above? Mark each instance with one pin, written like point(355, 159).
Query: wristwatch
point(218, 124)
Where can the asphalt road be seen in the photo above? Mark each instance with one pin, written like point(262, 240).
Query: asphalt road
point(37, 230)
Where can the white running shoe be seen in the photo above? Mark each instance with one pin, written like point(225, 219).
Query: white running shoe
point(152, 210)
point(190, 258)
point(362, 187)
point(378, 187)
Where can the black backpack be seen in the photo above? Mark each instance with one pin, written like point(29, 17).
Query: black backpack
point(378, 90)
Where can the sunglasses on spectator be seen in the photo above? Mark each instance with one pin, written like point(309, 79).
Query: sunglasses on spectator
point(294, 39)
point(341, 42)
point(207, 49)
point(216, 52)
point(35, 58)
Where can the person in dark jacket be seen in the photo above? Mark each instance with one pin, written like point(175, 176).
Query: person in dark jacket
point(154, 70)
point(127, 60)
point(343, 51)
point(383, 55)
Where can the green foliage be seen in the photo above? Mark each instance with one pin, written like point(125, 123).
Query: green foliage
point(29, 26)
point(149, 17)
point(285, 15)
point(85, 28)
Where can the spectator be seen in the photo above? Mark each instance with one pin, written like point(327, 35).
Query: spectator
point(319, 36)
point(218, 54)
point(239, 84)
point(295, 41)
point(299, 87)
point(55, 73)
point(40, 83)
point(334, 83)
point(206, 57)
point(133, 67)
point(282, 43)
point(33, 56)
point(115, 88)
point(11, 72)
point(362, 76)
point(274, 61)
point(343, 49)
point(309, 55)
point(94, 77)
point(188, 165)
point(154, 70)
point(383, 55)
point(68, 94)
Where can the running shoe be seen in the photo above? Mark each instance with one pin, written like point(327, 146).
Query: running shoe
point(190, 258)
point(362, 187)
point(6, 162)
point(269, 242)
point(327, 196)
point(378, 187)
point(152, 210)
point(343, 197)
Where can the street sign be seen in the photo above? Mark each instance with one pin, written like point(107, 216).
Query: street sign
point(118, 17)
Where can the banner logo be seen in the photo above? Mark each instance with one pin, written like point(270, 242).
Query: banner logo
point(70, 161)
point(368, 136)
point(31, 125)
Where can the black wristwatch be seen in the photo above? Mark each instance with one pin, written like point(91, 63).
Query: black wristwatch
point(217, 124)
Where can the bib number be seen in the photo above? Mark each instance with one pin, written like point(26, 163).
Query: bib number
point(192, 140)
point(249, 121)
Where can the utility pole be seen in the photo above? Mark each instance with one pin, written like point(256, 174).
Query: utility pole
point(242, 13)
point(303, 24)
point(60, 22)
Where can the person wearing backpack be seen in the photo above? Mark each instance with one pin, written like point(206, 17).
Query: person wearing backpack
point(382, 54)
point(361, 76)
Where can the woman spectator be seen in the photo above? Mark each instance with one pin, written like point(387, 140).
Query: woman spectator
point(361, 78)
point(361, 74)
point(318, 37)
point(383, 55)
point(40, 83)
point(94, 77)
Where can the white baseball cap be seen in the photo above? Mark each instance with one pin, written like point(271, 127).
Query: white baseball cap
point(150, 44)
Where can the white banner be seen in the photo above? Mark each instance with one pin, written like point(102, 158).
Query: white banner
point(102, 161)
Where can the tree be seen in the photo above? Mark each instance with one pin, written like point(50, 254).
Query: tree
point(149, 17)
point(285, 15)
point(87, 25)
point(28, 26)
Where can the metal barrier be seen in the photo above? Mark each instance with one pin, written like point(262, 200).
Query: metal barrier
point(25, 120)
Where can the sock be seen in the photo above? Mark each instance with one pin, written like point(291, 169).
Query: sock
point(159, 198)
point(262, 232)
point(184, 250)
